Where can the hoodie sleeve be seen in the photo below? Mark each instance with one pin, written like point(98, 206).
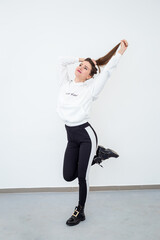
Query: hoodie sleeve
point(63, 62)
point(103, 76)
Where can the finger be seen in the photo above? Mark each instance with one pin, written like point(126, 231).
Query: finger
point(126, 42)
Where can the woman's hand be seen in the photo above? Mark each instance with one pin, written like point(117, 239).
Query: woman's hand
point(124, 45)
point(94, 61)
point(81, 59)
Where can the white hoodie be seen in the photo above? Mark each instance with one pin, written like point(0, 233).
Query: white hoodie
point(75, 98)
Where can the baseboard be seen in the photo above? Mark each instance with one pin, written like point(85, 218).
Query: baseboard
point(75, 189)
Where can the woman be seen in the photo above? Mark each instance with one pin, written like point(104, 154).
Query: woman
point(73, 106)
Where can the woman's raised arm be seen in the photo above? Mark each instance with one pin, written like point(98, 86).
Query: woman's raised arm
point(105, 74)
point(63, 62)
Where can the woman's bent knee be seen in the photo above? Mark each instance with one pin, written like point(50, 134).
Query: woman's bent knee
point(68, 178)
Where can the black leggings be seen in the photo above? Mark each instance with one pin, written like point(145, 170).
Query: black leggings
point(81, 148)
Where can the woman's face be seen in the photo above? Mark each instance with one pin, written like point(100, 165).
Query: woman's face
point(83, 70)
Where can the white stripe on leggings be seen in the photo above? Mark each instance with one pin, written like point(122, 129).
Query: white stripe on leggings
point(93, 152)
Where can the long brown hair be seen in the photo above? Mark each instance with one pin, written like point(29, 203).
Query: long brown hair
point(101, 61)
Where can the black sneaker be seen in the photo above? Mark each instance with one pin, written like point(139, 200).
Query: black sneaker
point(106, 153)
point(102, 154)
point(77, 216)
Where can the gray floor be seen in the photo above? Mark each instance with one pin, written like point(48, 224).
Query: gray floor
point(112, 215)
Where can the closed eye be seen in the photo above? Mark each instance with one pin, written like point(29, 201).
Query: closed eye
point(85, 67)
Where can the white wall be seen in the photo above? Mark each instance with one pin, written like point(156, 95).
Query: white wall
point(126, 116)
